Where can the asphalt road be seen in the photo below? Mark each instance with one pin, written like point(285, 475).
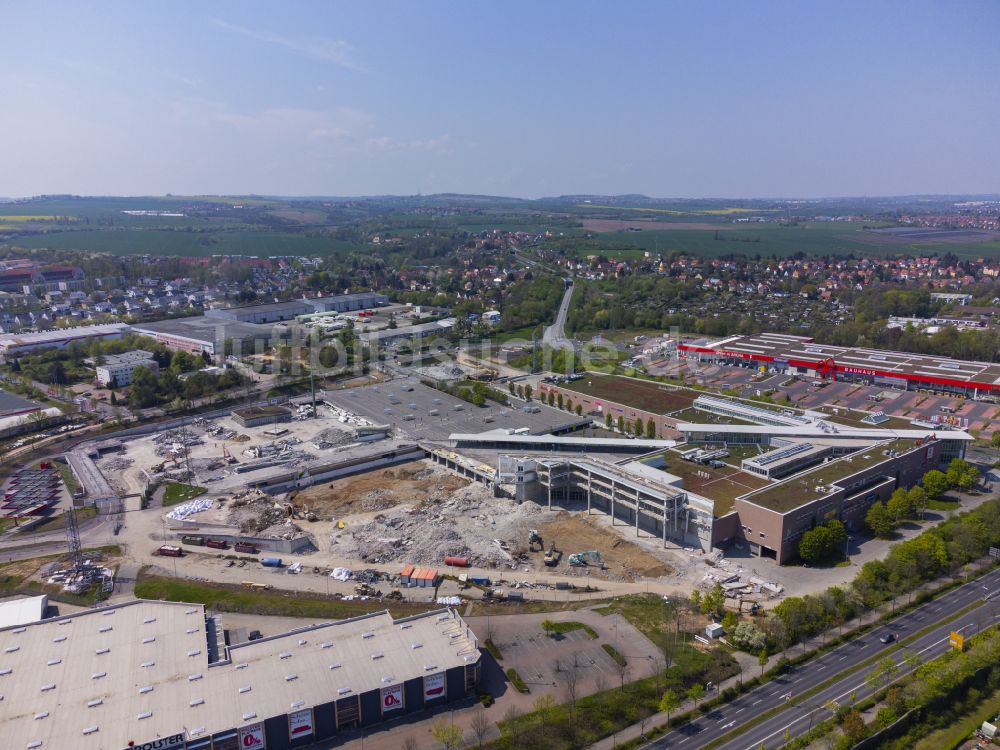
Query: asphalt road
point(555, 334)
point(799, 716)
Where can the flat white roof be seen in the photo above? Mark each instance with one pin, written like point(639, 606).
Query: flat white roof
point(22, 611)
point(500, 436)
point(61, 334)
point(140, 670)
point(814, 431)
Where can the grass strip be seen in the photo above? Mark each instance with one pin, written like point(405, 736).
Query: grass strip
point(176, 492)
point(515, 679)
point(494, 650)
point(233, 598)
point(613, 653)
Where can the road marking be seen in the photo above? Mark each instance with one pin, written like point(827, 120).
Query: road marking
point(742, 709)
point(842, 657)
point(756, 702)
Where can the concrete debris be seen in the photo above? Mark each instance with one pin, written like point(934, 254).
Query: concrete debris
point(462, 523)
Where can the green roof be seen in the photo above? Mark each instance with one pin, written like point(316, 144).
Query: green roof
point(799, 489)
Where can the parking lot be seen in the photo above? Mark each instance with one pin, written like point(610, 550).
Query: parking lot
point(843, 396)
point(407, 406)
point(542, 660)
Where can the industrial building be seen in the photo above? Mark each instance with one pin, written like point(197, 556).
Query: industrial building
point(635, 492)
point(254, 416)
point(12, 344)
point(273, 312)
point(811, 473)
point(347, 302)
point(118, 368)
point(22, 611)
point(201, 334)
point(801, 355)
point(150, 674)
point(437, 329)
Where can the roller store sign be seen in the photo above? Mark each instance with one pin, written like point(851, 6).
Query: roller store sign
point(392, 698)
point(162, 743)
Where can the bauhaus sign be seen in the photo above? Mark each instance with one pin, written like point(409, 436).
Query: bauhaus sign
point(163, 743)
point(433, 686)
point(392, 698)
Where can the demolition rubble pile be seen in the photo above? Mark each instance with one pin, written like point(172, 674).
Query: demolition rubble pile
point(172, 442)
point(736, 582)
point(112, 469)
point(468, 522)
point(332, 437)
point(257, 513)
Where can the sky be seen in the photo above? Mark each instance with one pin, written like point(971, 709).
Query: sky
point(525, 99)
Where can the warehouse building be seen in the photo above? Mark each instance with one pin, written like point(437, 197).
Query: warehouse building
point(801, 355)
point(200, 333)
point(12, 344)
point(150, 674)
point(274, 312)
point(422, 334)
point(347, 302)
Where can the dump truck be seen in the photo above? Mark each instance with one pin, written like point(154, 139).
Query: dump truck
point(217, 544)
point(168, 550)
point(246, 547)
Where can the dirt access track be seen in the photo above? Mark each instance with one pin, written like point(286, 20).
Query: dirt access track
point(625, 561)
point(378, 490)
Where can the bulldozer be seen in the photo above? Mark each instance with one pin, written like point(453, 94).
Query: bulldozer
point(535, 538)
point(589, 557)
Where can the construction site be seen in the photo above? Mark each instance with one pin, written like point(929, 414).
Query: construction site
point(371, 479)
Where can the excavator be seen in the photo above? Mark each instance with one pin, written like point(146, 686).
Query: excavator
point(553, 556)
point(589, 557)
point(535, 538)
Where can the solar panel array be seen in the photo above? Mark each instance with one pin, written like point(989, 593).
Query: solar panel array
point(31, 490)
point(792, 450)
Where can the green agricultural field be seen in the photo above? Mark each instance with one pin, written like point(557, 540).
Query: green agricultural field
point(165, 242)
point(833, 238)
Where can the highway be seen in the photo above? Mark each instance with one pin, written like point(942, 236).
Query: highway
point(799, 716)
point(555, 334)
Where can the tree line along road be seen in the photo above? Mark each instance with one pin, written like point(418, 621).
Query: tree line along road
point(798, 716)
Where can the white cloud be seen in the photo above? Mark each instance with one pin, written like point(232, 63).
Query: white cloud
point(318, 48)
point(297, 123)
point(439, 145)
